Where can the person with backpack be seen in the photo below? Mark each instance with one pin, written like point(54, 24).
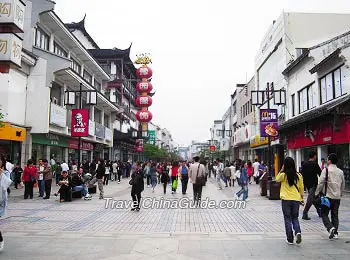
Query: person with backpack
point(183, 173)
point(243, 181)
point(165, 176)
point(332, 184)
point(292, 195)
point(137, 187)
point(153, 173)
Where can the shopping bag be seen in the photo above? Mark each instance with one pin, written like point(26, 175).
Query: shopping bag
point(174, 184)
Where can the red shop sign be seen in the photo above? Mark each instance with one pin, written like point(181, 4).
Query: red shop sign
point(80, 122)
point(320, 134)
point(73, 144)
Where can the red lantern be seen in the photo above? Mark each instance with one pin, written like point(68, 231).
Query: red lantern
point(144, 101)
point(144, 116)
point(144, 87)
point(144, 72)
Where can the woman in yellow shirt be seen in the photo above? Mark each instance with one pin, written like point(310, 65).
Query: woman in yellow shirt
point(292, 195)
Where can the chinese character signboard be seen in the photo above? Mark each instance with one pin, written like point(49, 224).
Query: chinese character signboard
point(268, 122)
point(10, 48)
point(12, 13)
point(80, 122)
point(139, 146)
point(152, 136)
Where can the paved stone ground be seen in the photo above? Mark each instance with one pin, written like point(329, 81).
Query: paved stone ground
point(47, 229)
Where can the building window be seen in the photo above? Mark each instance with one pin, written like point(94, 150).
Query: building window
point(97, 116)
point(106, 121)
point(307, 98)
point(97, 85)
point(55, 94)
point(76, 66)
point(331, 86)
point(234, 109)
point(59, 50)
point(87, 76)
point(42, 39)
point(293, 105)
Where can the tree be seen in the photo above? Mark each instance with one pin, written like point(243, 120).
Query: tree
point(154, 152)
point(2, 116)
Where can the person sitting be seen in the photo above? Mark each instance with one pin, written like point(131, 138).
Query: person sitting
point(65, 187)
point(79, 184)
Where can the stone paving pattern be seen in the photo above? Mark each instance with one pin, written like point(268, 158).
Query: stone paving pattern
point(46, 229)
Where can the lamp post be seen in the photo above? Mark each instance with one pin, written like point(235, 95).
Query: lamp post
point(80, 124)
point(259, 97)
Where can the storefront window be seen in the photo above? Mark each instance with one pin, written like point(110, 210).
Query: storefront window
point(11, 150)
point(57, 153)
point(38, 152)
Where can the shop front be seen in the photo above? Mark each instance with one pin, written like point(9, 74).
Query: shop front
point(11, 138)
point(49, 146)
point(323, 138)
point(86, 148)
point(260, 147)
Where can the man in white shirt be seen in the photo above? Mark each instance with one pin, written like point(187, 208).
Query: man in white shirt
point(256, 166)
point(64, 167)
point(196, 169)
point(219, 173)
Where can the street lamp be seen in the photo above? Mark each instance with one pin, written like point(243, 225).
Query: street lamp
point(258, 99)
point(70, 100)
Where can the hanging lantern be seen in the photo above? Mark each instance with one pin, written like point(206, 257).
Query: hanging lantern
point(144, 101)
point(144, 87)
point(144, 116)
point(144, 72)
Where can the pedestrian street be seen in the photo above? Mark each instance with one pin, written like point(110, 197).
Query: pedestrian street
point(47, 229)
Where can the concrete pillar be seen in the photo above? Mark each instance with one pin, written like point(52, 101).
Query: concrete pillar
point(82, 70)
point(92, 113)
point(93, 80)
point(102, 117)
point(47, 154)
point(298, 158)
point(52, 43)
point(66, 154)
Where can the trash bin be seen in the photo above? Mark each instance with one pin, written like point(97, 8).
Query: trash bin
point(273, 190)
point(263, 184)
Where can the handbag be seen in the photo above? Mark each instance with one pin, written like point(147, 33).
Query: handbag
point(322, 200)
point(200, 180)
point(32, 179)
point(174, 186)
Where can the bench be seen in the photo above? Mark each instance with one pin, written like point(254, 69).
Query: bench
point(77, 194)
point(92, 189)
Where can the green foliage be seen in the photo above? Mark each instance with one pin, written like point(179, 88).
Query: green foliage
point(154, 152)
point(2, 116)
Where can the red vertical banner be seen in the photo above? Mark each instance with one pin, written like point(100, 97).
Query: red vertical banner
point(139, 146)
point(80, 122)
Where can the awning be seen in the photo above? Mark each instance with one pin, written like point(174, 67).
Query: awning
point(12, 133)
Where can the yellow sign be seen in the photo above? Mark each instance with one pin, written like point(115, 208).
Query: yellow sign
point(13, 133)
point(258, 141)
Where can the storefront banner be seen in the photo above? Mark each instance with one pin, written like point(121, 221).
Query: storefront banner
point(91, 128)
point(257, 141)
point(80, 122)
point(58, 115)
point(50, 139)
point(108, 134)
point(12, 133)
point(12, 12)
point(99, 131)
point(74, 144)
point(10, 47)
point(268, 122)
point(139, 146)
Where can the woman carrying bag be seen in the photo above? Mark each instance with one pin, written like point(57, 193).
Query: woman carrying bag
point(292, 195)
point(29, 178)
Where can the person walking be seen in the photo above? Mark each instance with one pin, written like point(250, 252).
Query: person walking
point(153, 174)
point(100, 172)
point(256, 173)
point(292, 195)
point(243, 181)
point(219, 172)
point(174, 176)
point(147, 172)
point(233, 175)
point(5, 183)
point(17, 172)
point(310, 171)
point(115, 170)
point(29, 177)
point(250, 171)
point(332, 184)
point(106, 173)
point(197, 172)
point(183, 173)
point(41, 182)
point(120, 171)
point(47, 172)
point(137, 187)
point(227, 175)
point(165, 177)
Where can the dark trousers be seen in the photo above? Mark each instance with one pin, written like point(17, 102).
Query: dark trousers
point(48, 184)
point(227, 181)
point(335, 203)
point(119, 176)
point(65, 193)
point(173, 178)
point(290, 210)
point(28, 189)
point(148, 180)
point(105, 179)
point(1, 238)
point(164, 186)
point(136, 197)
point(197, 192)
point(184, 182)
point(310, 200)
point(58, 176)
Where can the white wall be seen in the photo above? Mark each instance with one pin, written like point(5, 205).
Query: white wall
point(84, 41)
point(13, 96)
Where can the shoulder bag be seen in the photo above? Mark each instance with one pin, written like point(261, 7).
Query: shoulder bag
point(321, 199)
point(200, 180)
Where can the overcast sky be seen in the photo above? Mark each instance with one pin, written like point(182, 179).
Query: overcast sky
point(200, 49)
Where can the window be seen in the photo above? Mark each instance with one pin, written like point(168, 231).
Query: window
point(97, 116)
point(55, 94)
point(59, 50)
point(106, 121)
point(42, 39)
point(76, 66)
point(234, 109)
point(331, 86)
point(307, 98)
point(97, 85)
point(87, 76)
point(293, 105)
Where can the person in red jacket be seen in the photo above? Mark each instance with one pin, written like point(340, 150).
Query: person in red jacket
point(250, 171)
point(29, 177)
point(174, 174)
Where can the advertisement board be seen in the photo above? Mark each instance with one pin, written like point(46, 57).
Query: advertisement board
point(80, 122)
point(268, 122)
